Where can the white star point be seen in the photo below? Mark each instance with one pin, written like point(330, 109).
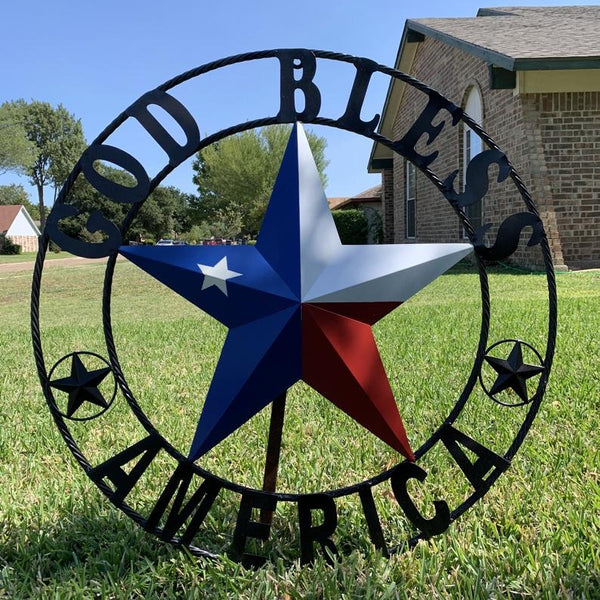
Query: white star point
point(217, 275)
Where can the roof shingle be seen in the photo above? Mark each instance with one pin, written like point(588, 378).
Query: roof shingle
point(539, 32)
point(8, 215)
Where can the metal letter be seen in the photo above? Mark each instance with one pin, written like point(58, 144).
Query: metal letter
point(423, 125)
point(372, 518)
point(509, 233)
point(180, 114)
point(486, 461)
point(115, 191)
point(433, 526)
point(96, 222)
point(198, 505)
point(305, 61)
point(112, 469)
point(317, 533)
point(245, 527)
point(477, 181)
point(351, 118)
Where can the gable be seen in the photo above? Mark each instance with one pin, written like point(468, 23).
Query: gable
point(527, 49)
point(15, 221)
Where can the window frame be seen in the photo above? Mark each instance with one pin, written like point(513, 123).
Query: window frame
point(472, 145)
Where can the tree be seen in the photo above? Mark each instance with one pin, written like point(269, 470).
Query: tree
point(15, 194)
point(57, 141)
point(237, 174)
point(16, 151)
point(163, 214)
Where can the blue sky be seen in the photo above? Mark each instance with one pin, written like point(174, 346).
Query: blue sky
point(97, 57)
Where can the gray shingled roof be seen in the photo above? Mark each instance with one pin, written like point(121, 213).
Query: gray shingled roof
point(509, 35)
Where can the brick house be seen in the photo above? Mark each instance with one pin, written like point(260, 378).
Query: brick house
point(18, 226)
point(531, 78)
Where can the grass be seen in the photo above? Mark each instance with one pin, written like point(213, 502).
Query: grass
point(535, 534)
point(30, 257)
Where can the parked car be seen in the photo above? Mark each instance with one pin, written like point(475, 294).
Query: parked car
point(164, 243)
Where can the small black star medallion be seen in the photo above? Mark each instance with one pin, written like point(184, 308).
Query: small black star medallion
point(513, 373)
point(82, 386)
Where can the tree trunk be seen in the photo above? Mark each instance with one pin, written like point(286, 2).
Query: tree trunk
point(40, 189)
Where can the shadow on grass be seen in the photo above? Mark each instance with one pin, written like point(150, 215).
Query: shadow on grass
point(468, 267)
point(76, 547)
point(108, 555)
point(98, 553)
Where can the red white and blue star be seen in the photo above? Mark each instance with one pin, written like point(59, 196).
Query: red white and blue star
point(299, 306)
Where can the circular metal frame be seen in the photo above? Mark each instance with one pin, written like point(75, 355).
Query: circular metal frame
point(437, 182)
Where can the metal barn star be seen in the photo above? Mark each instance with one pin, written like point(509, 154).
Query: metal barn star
point(82, 386)
point(299, 306)
point(513, 373)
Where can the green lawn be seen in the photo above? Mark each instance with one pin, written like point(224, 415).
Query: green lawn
point(30, 257)
point(535, 534)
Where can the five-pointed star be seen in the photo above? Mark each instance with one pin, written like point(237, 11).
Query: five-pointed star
point(217, 275)
point(82, 386)
point(301, 307)
point(513, 373)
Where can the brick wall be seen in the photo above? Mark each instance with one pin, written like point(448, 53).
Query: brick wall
point(28, 243)
point(387, 199)
point(553, 141)
point(569, 129)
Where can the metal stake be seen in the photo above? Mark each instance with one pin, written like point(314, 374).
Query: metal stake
point(273, 453)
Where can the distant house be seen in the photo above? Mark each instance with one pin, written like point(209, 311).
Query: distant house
point(370, 203)
point(18, 226)
point(530, 76)
point(370, 198)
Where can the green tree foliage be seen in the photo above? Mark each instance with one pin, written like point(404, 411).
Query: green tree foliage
point(16, 151)
point(56, 138)
point(197, 233)
point(236, 175)
point(15, 194)
point(351, 225)
point(163, 214)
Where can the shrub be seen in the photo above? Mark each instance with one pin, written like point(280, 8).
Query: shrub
point(351, 225)
point(7, 246)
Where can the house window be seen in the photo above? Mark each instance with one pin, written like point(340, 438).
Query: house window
point(410, 208)
point(472, 145)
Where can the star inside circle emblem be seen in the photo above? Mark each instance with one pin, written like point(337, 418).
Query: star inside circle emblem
point(299, 306)
point(82, 386)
